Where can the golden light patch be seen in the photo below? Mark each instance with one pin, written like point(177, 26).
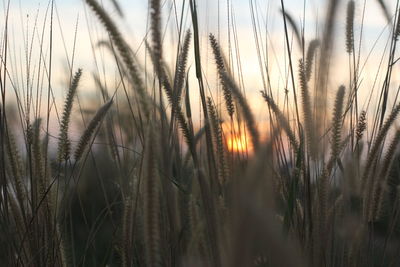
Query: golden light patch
point(238, 143)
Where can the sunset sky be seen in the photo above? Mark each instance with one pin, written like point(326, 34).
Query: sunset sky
point(73, 14)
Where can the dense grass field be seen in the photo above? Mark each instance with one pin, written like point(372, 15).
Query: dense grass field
point(167, 163)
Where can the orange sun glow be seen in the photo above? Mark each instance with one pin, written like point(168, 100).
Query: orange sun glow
point(238, 143)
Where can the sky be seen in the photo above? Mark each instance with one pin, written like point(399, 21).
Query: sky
point(73, 20)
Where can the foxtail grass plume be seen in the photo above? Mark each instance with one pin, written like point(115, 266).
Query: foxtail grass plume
point(337, 124)
point(350, 27)
point(293, 24)
point(180, 72)
point(152, 208)
point(221, 68)
point(90, 130)
point(311, 51)
point(64, 145)
point(385, 10)
point(306, 106)
point(248, 115)
point(124, 51)
point(282, 120)
point(361, 125)
point(217, 132)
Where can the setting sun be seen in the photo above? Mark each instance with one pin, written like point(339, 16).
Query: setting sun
point(238, 143)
